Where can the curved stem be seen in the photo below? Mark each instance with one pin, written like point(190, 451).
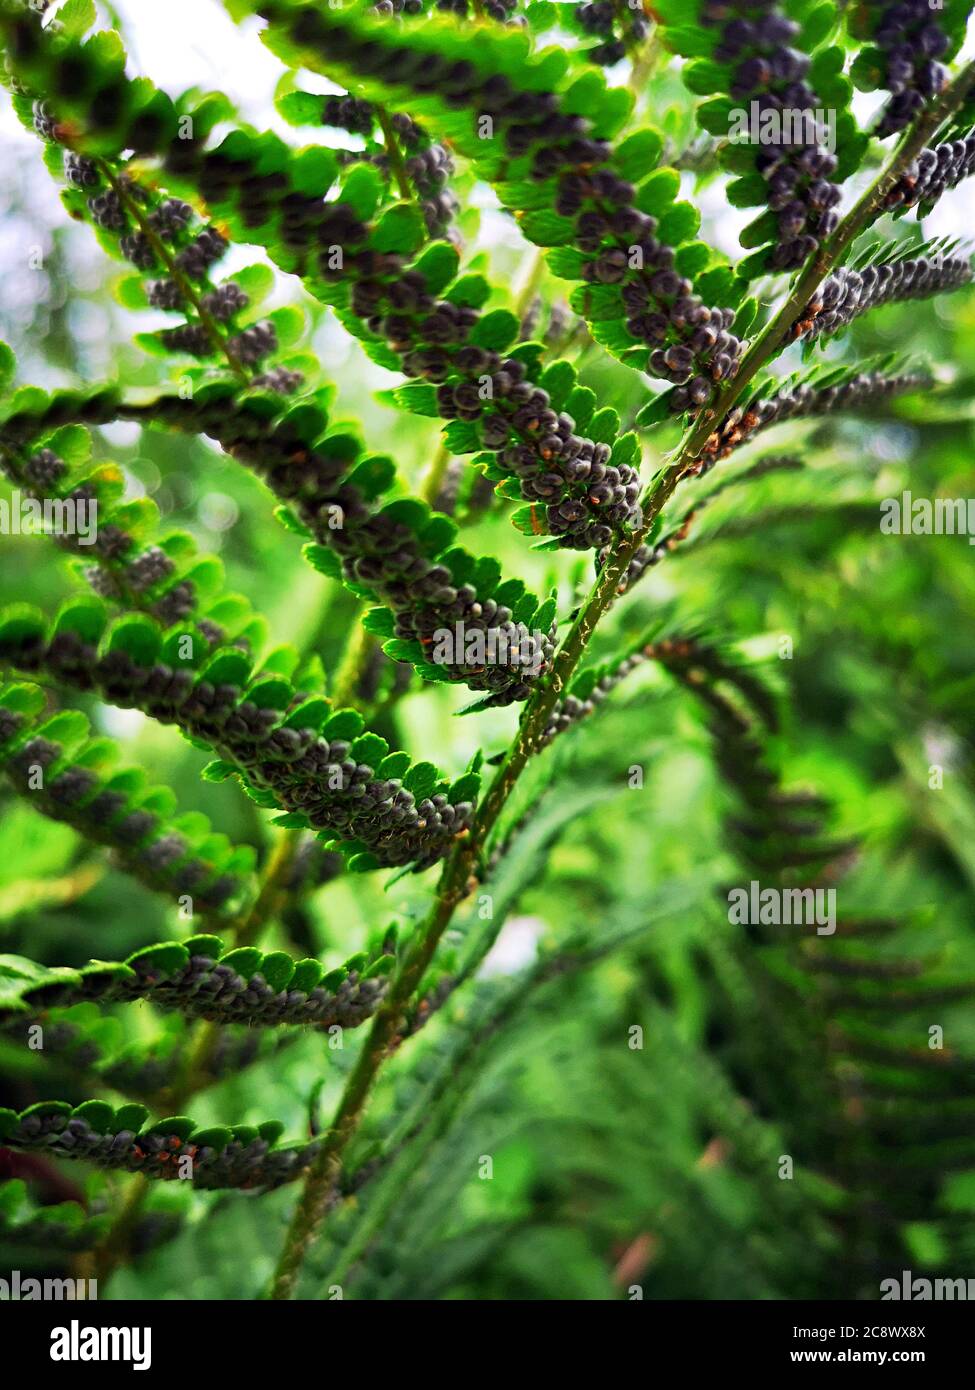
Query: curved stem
point(395, 155)
point(186, 287)
point(359, 646)
point(433, 482)
point(529, 288)
point(322, 1182)
point(273, 890)
point(114, 1249)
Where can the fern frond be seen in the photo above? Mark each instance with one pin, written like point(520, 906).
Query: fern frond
point(117, 545)
point(575, 490)
point(937, 169)
point(288, 749)
point(849, 293)
point(845, 985)
point(594, 684)
point(242, 1156)
point(201, 978)
point(620, 30)
point(632, 248)
point(514, 863)
point(837, 517)
point(849, 389)
point(650, 555)
point(171, 245)
point(780, 101)
point(62, 1226)
point(905, 53)
point(394, 144)
point(398, 552)
point(418, 1117)
point(442, 98)
point(91, 1047)
point(66, 775)
point(146, 1072)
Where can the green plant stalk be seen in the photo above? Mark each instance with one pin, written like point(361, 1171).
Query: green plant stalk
point(186, 286)
point(358, 648)
point(434, 1111)
point(249, 928)
point(433, 481)
point(114, 1249)
point(437, 1108)
point(647, 55)
point(457, 876)
point(532, 281)
point(320, 1187)
point(395, 156)
point(322, 1180)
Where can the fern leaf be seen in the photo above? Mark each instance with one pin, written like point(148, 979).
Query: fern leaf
point(780, 100)
point(887, 36)
point(69, 777)
point(201, 978)
point(241, 1156)
point(453, 345)
point(287, 751)
point(397, 550)
point(535, 134)
point(851, 389)
point(123, 559)
point(847, 294)
point(61, 1226)
point(649, 555)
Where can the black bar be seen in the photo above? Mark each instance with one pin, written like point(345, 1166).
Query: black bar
point(735, 1337)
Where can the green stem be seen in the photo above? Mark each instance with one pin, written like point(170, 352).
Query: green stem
point(325, 620)
point(323, 1175)
point(186, 287)
point(395, 155)
point(273, 890)
point(114, 1250)
point(357, 651)
point(322, 1180)
point(426, 1122)
point(645, 63)
point(529, 289)
point(433, 482)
